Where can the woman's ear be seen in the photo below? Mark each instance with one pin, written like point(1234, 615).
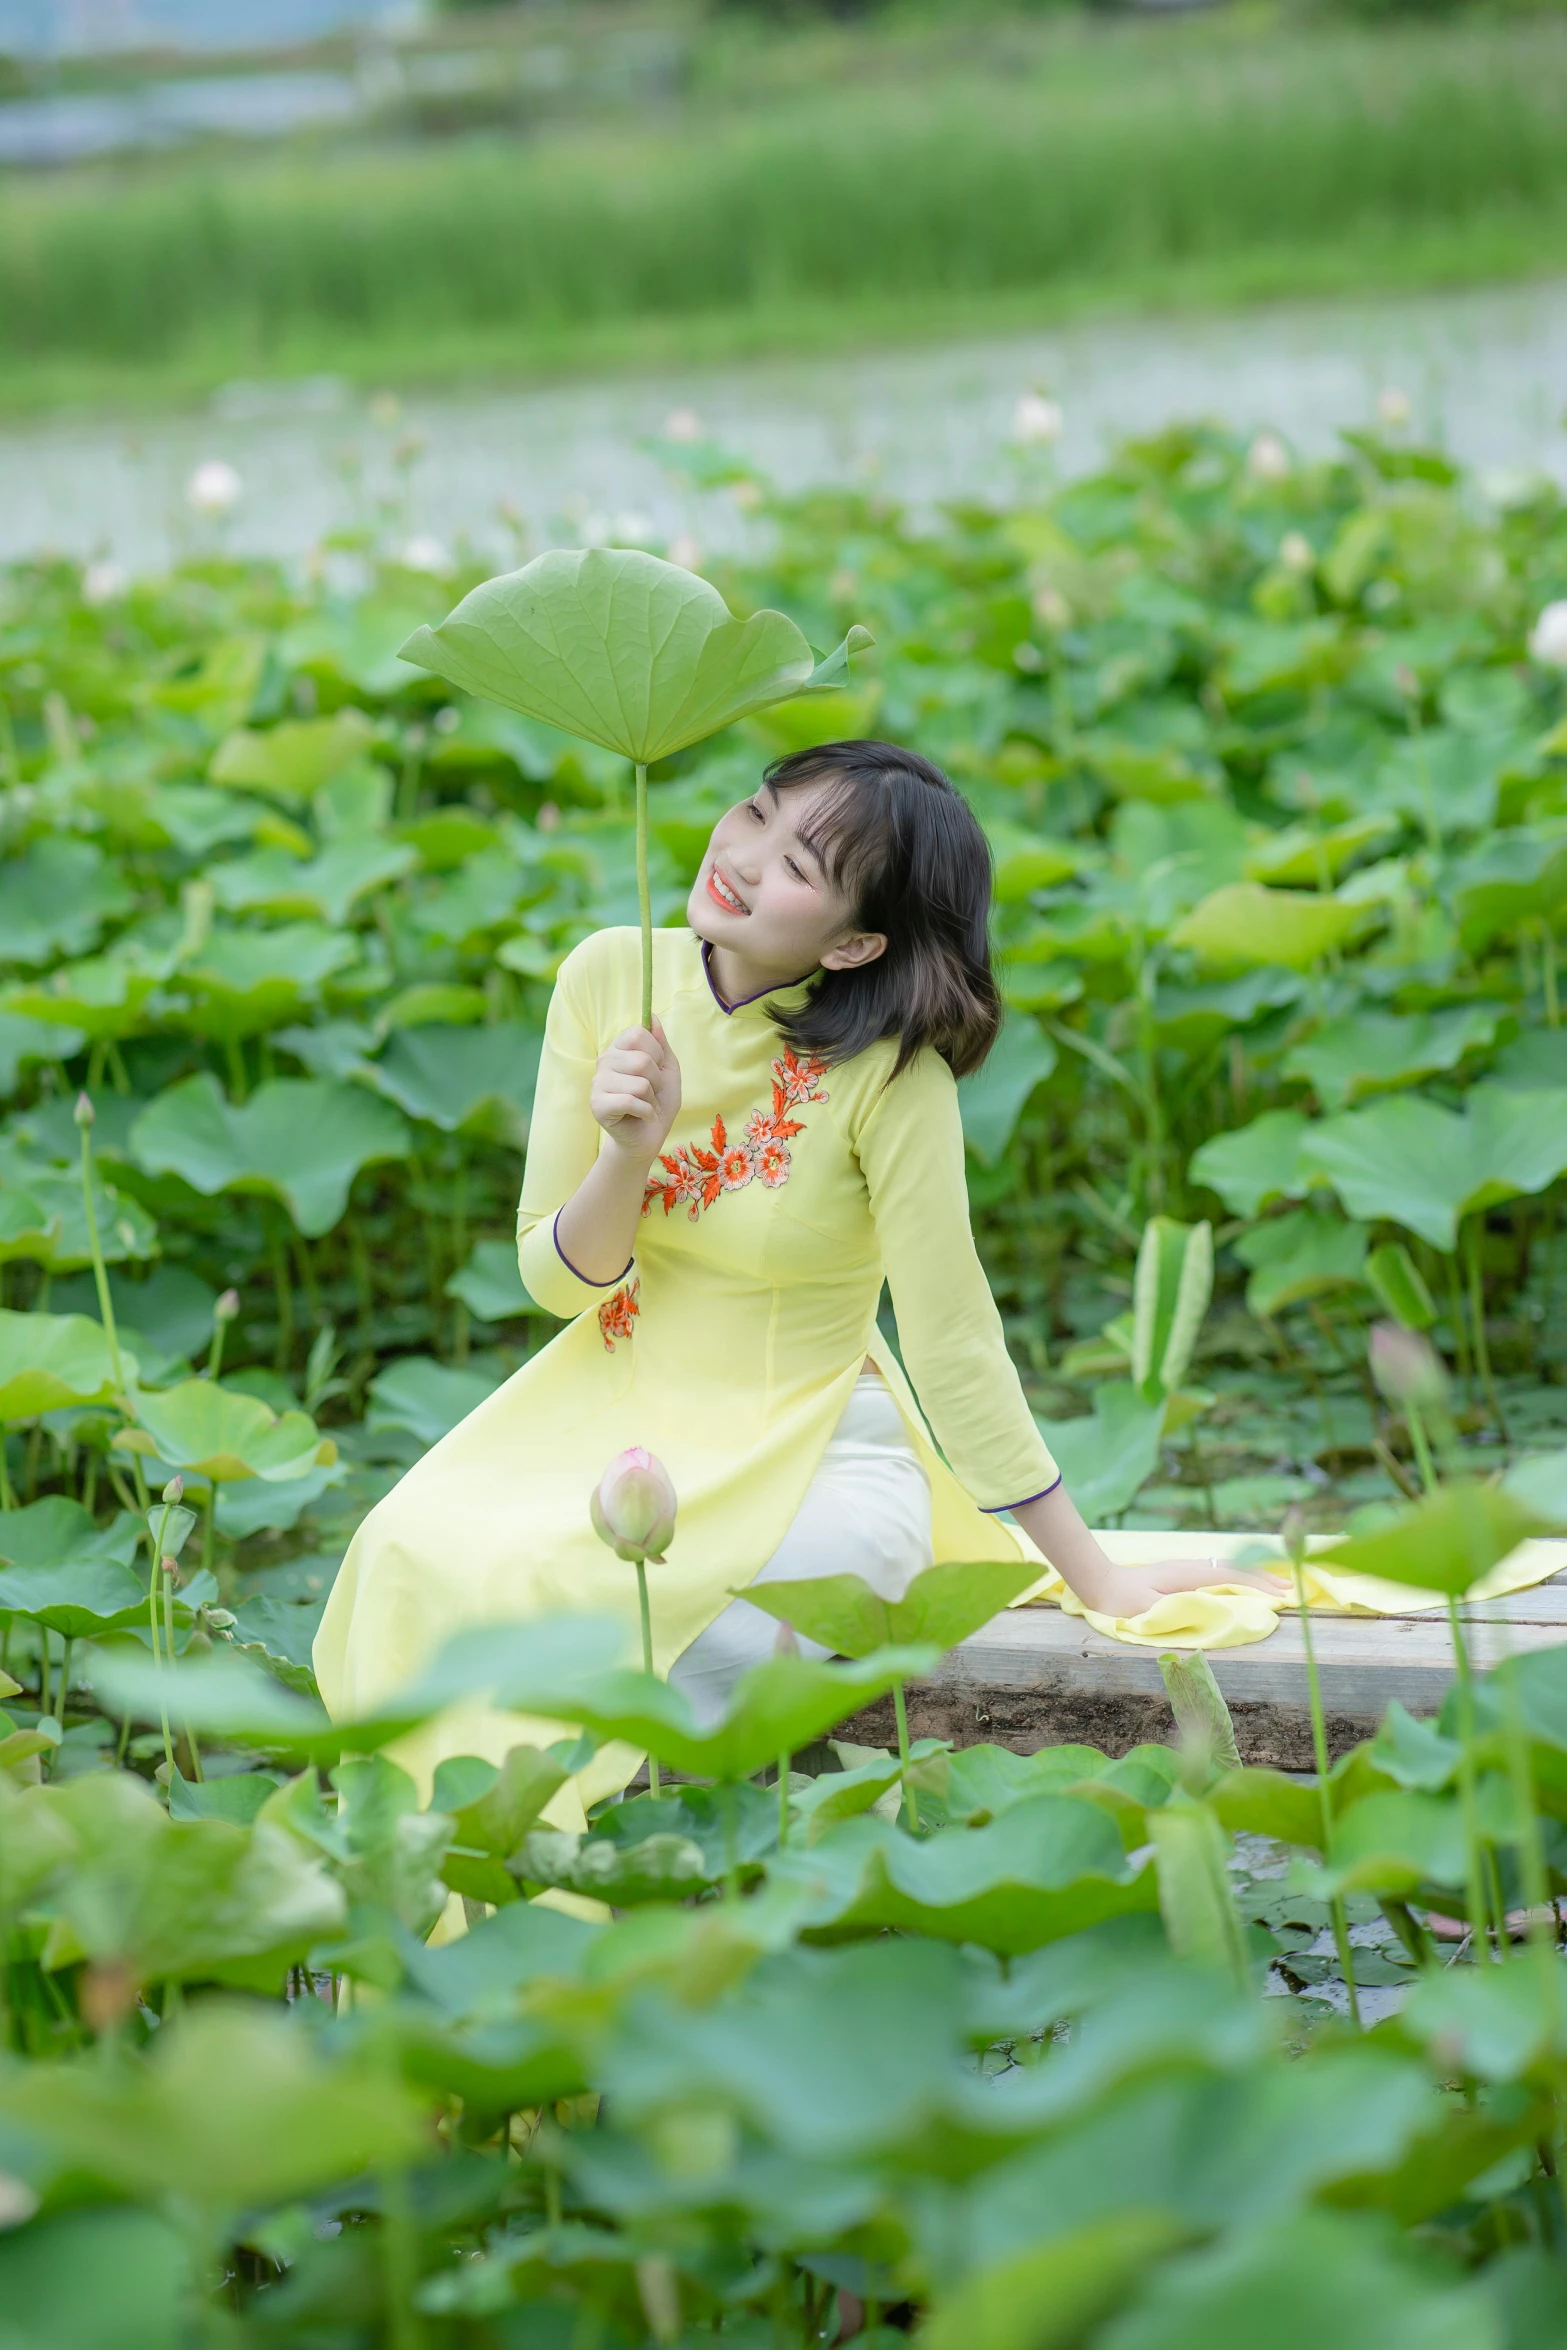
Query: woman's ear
point(858, 948)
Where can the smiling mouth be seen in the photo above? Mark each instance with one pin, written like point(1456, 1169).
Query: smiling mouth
point(721, 894)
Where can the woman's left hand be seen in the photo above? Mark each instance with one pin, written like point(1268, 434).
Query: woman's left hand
point(1127, 1591)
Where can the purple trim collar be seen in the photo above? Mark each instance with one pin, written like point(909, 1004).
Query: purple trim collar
point(729, 1010)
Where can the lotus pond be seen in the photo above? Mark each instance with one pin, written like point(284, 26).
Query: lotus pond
point(1273, 759)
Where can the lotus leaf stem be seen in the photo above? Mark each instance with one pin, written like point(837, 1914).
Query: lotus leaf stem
point(1319, 1744)
point(1468, 1796)
point(1482, 1345)
point(644, 898)
point(405, 2328)
point(647, 1659)
point(100, 1272)
point(901, 1716)
point(784, 1761)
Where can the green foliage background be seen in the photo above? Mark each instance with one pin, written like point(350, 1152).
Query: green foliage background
point(1278, 799)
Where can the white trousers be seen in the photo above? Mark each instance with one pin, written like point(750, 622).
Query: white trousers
point(866, 1512)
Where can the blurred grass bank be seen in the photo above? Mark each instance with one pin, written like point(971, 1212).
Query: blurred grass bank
point(1112, 164)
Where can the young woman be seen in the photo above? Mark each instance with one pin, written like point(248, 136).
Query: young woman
point(712, 1208)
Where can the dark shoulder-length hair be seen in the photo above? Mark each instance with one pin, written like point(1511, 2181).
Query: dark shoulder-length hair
point(907, 852)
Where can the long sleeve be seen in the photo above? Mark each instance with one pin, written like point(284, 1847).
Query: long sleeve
point(563, 1142)
point(910, 1150)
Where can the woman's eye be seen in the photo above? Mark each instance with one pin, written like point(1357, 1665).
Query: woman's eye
point(795, 870)
point(752, 809)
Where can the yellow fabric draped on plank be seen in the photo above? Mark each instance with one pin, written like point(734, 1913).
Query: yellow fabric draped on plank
point(1232, 1615)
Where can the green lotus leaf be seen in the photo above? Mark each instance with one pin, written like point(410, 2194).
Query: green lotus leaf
point(293, 760)
point(244, 981)
point(279, 1633)
point(108, 2278)
point(55, 899)
point(489, 1284)
point(236, 2108)
point(1320, 2276)
point(55, 1531)
point(477, 1080)
point(1256, 1164)
point(299, 1140)
point(208, 1428)
point(1446, 1542)
point(1109, 1453)
point(619, 648)
point(100, 998)
point(24, 1038)
point(27, 1228)
point(1511, 878)
point(80, 1601)
point(1314, 855)
point(1023, 862)
point(330, 884)
point(1171, 1293)
point(660, 1868)
point(527, 1668)
point(776, 1708)
point(1050, 1866)
point(993, 1100)
point(1398, 1285)
point(426, 1397)
point(1378, 1052)
point(43, 1218)
point(50, 1360)
point(1245, 924)
point(1425, 1167)
point(1301, 1255)
point(1395, 1843)
point(943, 1605)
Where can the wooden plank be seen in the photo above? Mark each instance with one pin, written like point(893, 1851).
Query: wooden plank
point(1037, 1676)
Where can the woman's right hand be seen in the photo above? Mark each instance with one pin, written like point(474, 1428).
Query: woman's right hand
point(635, 1095)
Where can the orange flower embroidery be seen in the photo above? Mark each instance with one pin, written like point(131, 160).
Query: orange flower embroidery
point(697, 1174)
point(618, 1314)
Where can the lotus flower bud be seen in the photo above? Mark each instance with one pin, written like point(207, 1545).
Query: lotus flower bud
point(1293, 1532)
point(83, 1112)
point(214, 487)
point(786, 1641)
point(226, 1307)
point(175, 1489)
point(633, 1506)
point(1393, 407)
point(1406, 1367)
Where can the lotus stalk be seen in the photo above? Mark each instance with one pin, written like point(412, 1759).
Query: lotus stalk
point(633, 1509)
point(224, 1311)
point(785, 1643)
point(84, 1115)
point(1295, 1544)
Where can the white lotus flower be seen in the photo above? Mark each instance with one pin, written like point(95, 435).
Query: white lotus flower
point(102, 582)
point(632, 529)
point(1267, 459)
point(1295, 551)
point(1037, 420)
point(682, 424)
point(1548, 637)
point(423, 553)
point(214, 487)
point(687, 552)
point(1393, 407)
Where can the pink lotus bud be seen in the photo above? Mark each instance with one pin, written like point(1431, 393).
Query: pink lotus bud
point(175, 1489)
point(786, 1641)
point(83, 1112)
point(1293, 1532)
point(226, 1307)
point(1407, 1367)
point(633, 1505)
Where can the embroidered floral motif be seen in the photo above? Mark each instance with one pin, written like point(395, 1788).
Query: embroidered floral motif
point(696, 1175)
point(618, 1314)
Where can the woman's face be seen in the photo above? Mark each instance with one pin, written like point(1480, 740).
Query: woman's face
point(764, 896)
